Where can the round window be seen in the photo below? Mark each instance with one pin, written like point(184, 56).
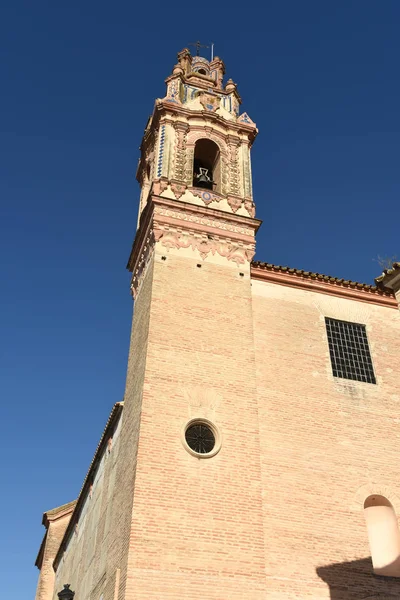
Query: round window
point(201, 438)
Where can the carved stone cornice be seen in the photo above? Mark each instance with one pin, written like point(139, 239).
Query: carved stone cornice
point(181, 126)
point(206, 196)
point(176, 224)
point(234, 201)
point(178, 188)
point(203, 219)
point(163, 108)
point(142, 250)
point(142, 262)
point(238, 252)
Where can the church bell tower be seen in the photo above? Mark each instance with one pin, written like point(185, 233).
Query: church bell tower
point(195, 162)
point(190, 426)
point(257, 436)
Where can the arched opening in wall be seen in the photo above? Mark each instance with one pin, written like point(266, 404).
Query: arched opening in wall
point(207, 165)
point(202, 71)
point(383, 535)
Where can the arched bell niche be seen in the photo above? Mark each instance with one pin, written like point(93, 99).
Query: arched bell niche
point(207, 165)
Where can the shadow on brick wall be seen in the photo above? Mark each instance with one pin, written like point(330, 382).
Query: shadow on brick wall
point(355, 580)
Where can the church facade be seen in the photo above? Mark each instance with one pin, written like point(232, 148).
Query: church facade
point(255, 454)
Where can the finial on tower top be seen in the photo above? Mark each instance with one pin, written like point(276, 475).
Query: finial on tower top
point(198, 45)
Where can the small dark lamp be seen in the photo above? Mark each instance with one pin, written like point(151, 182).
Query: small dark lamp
point(66, 593)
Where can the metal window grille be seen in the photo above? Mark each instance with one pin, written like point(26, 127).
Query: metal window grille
point(200, 438)
point(349, 351)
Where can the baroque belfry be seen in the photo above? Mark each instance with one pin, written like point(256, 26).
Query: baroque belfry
point(255, 453)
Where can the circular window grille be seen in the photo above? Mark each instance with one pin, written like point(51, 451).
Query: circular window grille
point(200, 438)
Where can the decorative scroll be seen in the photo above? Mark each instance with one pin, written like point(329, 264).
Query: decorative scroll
point(246, 172)
point(189, 165)
point(141, 265)
point(237, 252)
point(234, 177)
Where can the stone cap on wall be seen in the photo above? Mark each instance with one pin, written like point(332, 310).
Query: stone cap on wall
point(390, 278)
point(49, 516)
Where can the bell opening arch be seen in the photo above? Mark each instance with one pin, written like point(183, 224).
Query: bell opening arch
point(207, 165)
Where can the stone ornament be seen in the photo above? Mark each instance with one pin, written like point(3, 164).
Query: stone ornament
point(197, 106)
point(239, 253)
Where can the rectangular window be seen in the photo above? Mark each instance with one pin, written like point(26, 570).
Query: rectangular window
point(349, 351)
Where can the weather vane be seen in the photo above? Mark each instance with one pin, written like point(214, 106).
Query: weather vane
point(198, 45)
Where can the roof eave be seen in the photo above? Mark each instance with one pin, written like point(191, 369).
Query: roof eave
point(390, 278)
point(325, 284)
point(56, 513)
point(40, 554)
point(112, 420)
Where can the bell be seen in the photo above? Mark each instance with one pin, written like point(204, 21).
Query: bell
point(203, 179)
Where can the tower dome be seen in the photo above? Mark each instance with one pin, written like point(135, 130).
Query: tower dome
point(201, 65)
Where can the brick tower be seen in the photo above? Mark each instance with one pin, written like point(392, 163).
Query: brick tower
point(255, 454)
point(191, 282)
point(191, 361)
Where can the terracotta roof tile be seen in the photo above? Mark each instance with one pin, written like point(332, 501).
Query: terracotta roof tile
point(320, 277)
point(387, 274)
point(115, 411)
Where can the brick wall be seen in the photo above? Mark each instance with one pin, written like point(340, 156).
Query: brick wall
point(196, 529)
point(278, 512)
point(125, 484)
point(84, 561)
point(326, 444)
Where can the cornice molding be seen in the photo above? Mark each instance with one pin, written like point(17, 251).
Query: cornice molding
point(177, 224)
point(165, 107)
point(323, 285)
point(206, 219)
point(57, 513)
point(49, 517)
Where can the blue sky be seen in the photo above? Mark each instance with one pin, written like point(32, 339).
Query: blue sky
point(78, 82)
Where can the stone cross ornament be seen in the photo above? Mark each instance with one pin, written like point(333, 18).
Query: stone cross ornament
point(198, 45)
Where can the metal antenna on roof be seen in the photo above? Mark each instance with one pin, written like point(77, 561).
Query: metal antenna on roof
point(212, 51)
